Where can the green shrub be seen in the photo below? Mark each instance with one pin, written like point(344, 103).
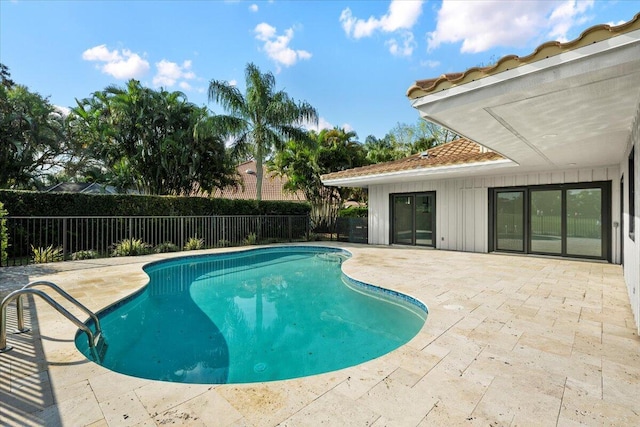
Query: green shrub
point(131, 247)
point(84, 255)
point(251, 239)
point(4, 238)
point(194, 244)
point(353, 212)
point(48, 254)
point(313, 237)
point(166, 247)
point(223, 243)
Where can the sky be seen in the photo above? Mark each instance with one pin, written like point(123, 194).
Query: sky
point(351, 60)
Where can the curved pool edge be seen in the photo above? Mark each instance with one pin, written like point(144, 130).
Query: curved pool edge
point(224, 252)
point(392, 296)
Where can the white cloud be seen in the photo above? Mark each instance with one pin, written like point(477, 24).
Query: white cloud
point(64, 111)
point(482, 25)
point(119, 64)
point(264, 31)
point(615, 24)
point(322, 124)
point(233, 82)
point(253, 8)
point(402, 15)
point(404, 47)
point(325, 124)
point(101, 53)
point(347, 127)
point(169, 73)
point(277, 46)
point(566, 16)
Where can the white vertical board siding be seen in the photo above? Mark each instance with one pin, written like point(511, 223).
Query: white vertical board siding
point(462, 204)
point(630, 247)
point(379, 219)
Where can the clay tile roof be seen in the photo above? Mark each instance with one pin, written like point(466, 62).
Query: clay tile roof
point(458, 152)
point(591, 35)
point(272, 186)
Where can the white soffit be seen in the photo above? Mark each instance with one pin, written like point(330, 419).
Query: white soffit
point(574, 109)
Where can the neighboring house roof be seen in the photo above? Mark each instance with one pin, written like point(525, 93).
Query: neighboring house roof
point(82, 187)
point(546, 50)
point(272, 186)
point(461, 153)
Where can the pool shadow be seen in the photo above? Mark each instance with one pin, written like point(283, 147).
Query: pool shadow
point(160, 333)
point(26, 394)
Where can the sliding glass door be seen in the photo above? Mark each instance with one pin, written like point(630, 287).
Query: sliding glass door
point(584, 222)
point(413, 217)
point(510, 221)
point(403, 207)
point(545, 219)
point(563, 220)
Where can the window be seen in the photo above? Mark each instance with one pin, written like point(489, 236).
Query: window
point(632, 195)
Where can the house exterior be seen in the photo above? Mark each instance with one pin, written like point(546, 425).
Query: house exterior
point(548, 163)
point(272, 186)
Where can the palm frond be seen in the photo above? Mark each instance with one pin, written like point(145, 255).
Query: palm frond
point(228, 96)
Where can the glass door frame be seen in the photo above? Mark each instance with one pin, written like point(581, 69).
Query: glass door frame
point(604, 186)
point(392, 196)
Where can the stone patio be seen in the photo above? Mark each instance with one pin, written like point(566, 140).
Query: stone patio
point(509, 340)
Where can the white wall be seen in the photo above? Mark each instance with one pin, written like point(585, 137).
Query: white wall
point(631, 254)
point(462, 205)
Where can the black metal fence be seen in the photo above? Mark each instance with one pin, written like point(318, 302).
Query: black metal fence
point(72, 235)
point(354, 230)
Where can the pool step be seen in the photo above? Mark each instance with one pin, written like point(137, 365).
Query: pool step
point(100, 348)
point(332, 257)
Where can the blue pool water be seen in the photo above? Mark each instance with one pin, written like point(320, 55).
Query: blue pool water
point(256, 315)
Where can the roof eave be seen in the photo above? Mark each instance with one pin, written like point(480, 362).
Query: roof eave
point(419, 174)
point(590, 37)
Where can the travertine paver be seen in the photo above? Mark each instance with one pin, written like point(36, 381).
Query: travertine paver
point(510, 340)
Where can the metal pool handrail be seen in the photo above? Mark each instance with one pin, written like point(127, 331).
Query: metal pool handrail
point(28, 289)
point(64, 294)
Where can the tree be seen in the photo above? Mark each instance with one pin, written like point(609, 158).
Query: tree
point(382, 150)
point(339, 150)
point(303, 164)
point(405, 139)
point(5, 77)
point(32, 137)
point(155, 141)
point(261, 120)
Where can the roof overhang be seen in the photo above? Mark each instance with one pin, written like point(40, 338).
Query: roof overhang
point(571, 110)
point(440, 172)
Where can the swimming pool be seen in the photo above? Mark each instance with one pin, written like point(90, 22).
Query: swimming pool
point(254, 315)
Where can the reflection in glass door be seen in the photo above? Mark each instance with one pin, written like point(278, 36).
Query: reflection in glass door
point(584, 219)
point(413, 219)
point(424, 222)
point(556, 219)
point(510, 221)
point(403, 220)
point(546, 221)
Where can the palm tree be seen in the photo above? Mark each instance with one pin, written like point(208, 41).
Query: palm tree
point(263, 119)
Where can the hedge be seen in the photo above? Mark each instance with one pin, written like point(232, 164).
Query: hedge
point(32, 203)
point(353, 212)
